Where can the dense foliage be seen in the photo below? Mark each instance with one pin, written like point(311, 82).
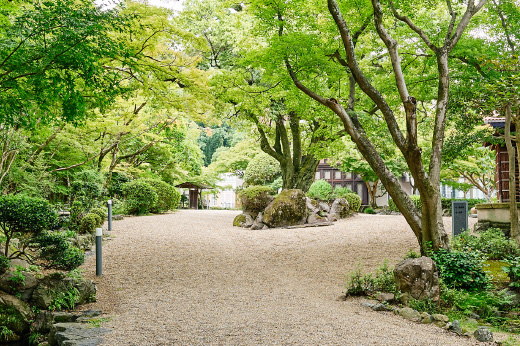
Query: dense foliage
point(22, 216)
point(57, 249)
point(168, 197)
point(89, 223)
point(460, 269)
point(445, 202)
point(491, 243)
point(320, 189)
point(140, 197)
point(255, 198)
point(354, 201)
point(262, 169)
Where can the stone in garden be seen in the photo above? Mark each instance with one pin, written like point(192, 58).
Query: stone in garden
point(483, 335)
point(315, 218)
point(43, 322)
point(455, 327)
point(312, 205)
point(24, 289)
point(243, 220)
point(76, 334)
point(117, 217)
point(385, 297)
point(20, 263)
point(382, 307)
point(471, 321)
point(59, 284)
point(19, 314)
point(410, 314)
point(368, 305)
point(418, 277)
point(426, 318)
point(440, 320)
point(288, 209)
point(340, 208)
point(254, 200)
point(324, 207)
point(258, 223)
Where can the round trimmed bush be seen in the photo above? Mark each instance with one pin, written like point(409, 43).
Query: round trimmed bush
point(342, 192)
point(255, 199)
point(320, 189)
point(262, 169)
point(102, 213)
point(57, 249)
point(168, 197)
point(140, 197)
point(89, 223)
point(21, 215)
point(354, 201)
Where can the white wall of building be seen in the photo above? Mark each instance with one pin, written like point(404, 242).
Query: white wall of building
point(225, 197)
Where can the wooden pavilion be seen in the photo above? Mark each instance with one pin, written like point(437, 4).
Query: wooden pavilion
point(195, 192)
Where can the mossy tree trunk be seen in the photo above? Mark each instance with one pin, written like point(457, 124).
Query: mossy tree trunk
point(298, 170)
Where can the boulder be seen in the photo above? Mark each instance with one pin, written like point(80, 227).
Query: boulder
point(483, 335)
point(12, 283)
point(440, 320)
point(410, 314)
point(382, 307)
point(426, 318)
point(243, 220)
point(18, 262)
point(14, 315)
point(255, 199)
point(288, 209)
point(258, 223)
point(324, 207)
point(418, 277)
point(312, 205)
point(76, 334)
point(385, 297)
point(340, 208)
point(455, 327)
point(315, 218)
point(58, 285)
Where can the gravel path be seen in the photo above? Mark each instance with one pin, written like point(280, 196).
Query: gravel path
point(191, 278)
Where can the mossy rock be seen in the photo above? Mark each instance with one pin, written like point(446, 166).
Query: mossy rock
point(239, 220)
point(14, 318)
point(255, 199)
point(288, 209)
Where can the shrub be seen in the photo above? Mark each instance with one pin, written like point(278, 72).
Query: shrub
point(416, 199)
point(140, 197)
point(167, 196)
point(262, 169)
point(492, 243)
point(102, 213)
point(89, 223)
point(341, 192)
point(77, 211)
point(115, 186)
point(320, 189)
point(88, 186)
point(5, 263)
point(369, 211)
point(359, 284)
point(513, 272)
point(255, 199)
point(460, 269)
point(57, 249)
point(22, 216)
point(354, 201)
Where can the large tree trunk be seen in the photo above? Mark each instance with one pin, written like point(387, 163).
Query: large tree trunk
point(303, 178)
point(513, 207)
point(372, 192)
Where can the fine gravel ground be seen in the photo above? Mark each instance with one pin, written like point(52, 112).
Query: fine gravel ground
point(191, 278)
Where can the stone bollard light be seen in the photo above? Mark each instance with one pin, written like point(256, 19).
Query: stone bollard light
point(99, 256)
point(109, 203)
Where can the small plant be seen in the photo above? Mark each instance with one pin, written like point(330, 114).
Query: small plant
point(459, 269)
point(384, 278)
point(89, 223)
point(320, 189)
point(513, 272)
point(140, 197)
point(5, 333)
point(5, 263)
point(354, 201)
point(96, 322)
point(65, 300)
point(426, 305)
point(35, 338)
point(491, 243)
point(17, 277)
point(412, 254)
point(369, 211)
point(359, 284)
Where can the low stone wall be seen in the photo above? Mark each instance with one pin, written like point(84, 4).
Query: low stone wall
point(493, 215)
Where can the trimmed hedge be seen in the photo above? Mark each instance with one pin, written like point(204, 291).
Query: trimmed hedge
point(89, 223)
point(140, 197)
point(320, 189)
point(57, 249)
point(102, 213)
point(354, 201)
point(445, 202)
point(168, 197)
point(255, 198)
